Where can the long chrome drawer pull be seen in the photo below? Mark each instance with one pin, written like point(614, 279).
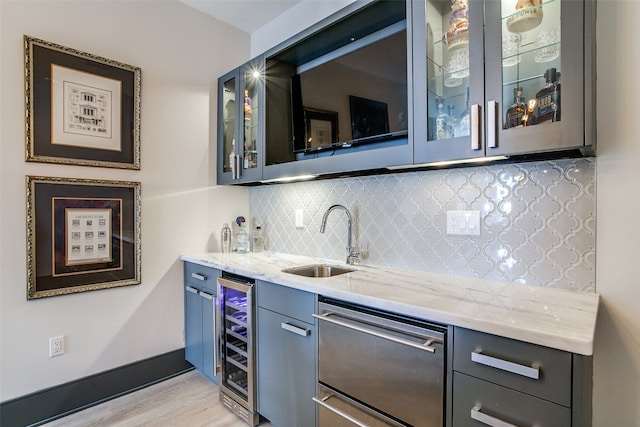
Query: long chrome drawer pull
point(424, 347)
point(475, 126)
point(206, 295)
point(339, 412)
point(192, 290)
point(492, 123)
point(295, 329)
point(488, 419)
point(199, 276)
point(505, 365)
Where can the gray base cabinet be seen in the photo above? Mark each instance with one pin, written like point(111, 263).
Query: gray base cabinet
point(502, 382)
point(200, 334)
point(287, 355)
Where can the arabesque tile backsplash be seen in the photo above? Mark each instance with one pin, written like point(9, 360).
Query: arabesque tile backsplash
point(537, 221)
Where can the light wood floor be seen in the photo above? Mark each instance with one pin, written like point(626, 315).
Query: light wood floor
point(188, 400)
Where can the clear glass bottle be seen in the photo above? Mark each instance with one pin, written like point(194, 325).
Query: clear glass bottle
point(242, 239)
point(443, 121)
point(451, 110)
point(258, 238)
point(516, 111)
point(548, 98)
point(465, 119)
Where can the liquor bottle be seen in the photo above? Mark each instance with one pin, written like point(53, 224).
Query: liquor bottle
point(465, 119)
point(451, 110)
point(257, 238)
point(517, 110)
point(242, 239)
point(548, 98)
point(443, 129)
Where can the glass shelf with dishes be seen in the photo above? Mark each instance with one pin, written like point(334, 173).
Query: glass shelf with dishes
point(447, 69)
point(531, 62)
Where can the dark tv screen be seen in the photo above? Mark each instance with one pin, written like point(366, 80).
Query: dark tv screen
point(353, 98)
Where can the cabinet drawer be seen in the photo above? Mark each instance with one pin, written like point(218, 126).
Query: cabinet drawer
point(201, 276)
point(481, 403)
point(513, 363)
point(287, 301)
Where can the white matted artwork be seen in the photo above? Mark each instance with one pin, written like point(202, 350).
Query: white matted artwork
point(85, 109)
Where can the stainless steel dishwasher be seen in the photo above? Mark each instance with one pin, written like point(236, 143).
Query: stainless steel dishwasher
point(378, 369)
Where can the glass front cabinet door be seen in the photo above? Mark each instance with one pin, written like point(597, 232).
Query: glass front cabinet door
point(240, 130)
point(501, 78)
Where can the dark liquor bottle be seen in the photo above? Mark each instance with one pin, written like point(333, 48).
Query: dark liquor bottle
point(517, 110)
point(548, 98)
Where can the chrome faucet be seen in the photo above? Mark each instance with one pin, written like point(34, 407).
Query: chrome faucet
point(353, 256)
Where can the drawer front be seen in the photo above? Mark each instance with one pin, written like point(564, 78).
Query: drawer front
point(478, 403)
point(287, 301)
point(201, 276)
point(514, 364)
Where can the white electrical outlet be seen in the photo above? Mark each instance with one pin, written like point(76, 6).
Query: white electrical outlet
point(463, 223)
point(299, 216)
point(56, 346)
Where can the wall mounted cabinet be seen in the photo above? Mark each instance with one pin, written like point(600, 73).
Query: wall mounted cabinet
point(240, 124)
point(502, 78)
point(389, 84)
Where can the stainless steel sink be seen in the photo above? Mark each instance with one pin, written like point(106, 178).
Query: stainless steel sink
point(318, 270)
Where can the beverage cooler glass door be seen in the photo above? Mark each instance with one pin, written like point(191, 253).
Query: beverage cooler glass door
point(236, 376)
point(454, 80)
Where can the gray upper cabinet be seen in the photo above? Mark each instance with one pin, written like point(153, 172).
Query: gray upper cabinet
point(240, 124)
point(502, 78)
point(391, 84)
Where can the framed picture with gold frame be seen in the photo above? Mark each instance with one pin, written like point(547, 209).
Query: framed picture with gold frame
point(81, 109)
point(82, 235)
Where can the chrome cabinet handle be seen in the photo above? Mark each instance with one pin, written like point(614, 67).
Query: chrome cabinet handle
point(424, 347)
point(238, 166)
point(339, 412)
point(199, 276)
point(233, 165)
point(492, 123)
point(206, 295)
point(488, 419)
point(475, 126)
point(505, 365)
point(295, 329)
point(192, 290)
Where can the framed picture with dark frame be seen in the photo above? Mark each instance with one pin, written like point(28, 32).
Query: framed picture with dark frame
point(321, 129)
point(368, 117)
point(81, 109)
point(82, 235)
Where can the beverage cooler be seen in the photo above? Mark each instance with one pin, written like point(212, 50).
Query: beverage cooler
point(237, 346)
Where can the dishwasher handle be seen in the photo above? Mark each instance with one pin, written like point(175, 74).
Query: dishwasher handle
point(427, 346)
point(337, 411)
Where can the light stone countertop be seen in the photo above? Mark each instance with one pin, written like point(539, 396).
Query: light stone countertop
point(555, 318)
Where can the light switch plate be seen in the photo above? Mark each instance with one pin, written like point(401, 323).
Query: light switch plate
point(299, 218)
point(465, 223)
